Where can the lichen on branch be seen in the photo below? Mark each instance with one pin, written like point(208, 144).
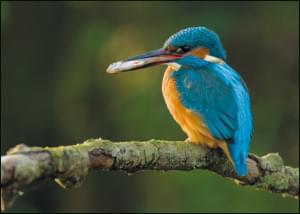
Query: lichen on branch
point(69, 165)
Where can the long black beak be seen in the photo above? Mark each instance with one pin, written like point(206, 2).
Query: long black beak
point(151, 58)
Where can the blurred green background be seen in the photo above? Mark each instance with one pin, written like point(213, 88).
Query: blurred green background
point(54, 90)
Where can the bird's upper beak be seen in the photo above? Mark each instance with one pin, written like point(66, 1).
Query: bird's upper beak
point(155, 57)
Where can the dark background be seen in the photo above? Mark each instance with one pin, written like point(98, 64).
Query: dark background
point(54, 90)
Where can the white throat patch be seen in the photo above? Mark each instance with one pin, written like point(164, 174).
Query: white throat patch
point(213, 59)
point(175, 66)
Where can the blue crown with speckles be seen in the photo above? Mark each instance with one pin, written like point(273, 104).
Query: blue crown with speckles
point(198, 37)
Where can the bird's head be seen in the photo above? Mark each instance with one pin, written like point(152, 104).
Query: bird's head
point(194, 41)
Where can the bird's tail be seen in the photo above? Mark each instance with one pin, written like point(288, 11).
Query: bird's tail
point(239, 145)
point(239, 157)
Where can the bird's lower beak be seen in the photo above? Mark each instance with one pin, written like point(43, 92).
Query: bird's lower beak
point(155, 57)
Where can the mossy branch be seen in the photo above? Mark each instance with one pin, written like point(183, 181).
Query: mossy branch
point(69, 165)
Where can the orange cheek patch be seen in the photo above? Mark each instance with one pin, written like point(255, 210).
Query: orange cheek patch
point(199, 52)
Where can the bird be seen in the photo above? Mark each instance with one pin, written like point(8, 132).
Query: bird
point(206, 97)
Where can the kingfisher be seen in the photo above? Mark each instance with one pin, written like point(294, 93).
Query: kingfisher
point(206, 97)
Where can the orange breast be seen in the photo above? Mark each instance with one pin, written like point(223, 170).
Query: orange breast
point(191, 123)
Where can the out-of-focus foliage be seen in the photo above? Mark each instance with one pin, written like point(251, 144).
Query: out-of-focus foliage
point(54, 90)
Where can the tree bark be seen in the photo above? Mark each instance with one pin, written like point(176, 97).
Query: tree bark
point(68, 165)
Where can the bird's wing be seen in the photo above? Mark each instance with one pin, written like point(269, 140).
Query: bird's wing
point(208, 91)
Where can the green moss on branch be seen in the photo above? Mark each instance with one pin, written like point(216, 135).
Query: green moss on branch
point(69, 165)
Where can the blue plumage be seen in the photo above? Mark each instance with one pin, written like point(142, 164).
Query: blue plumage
point(197, 37)
point(217, 93)
point(208, 98)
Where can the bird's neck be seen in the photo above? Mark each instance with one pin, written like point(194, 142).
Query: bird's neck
point(173, 66)
point(168, 72)
point(168, 85)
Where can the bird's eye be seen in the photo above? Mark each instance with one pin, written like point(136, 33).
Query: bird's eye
point(179, 50)
point(186, 48)
point(183, 49)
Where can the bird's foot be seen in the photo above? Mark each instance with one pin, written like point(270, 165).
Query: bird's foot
point(198, 143)
point(187, 140)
